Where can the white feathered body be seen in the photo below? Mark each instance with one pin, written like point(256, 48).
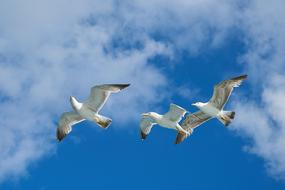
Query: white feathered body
point(211, 110)
point(83, 110)
point(166, 122)
point(169, 120)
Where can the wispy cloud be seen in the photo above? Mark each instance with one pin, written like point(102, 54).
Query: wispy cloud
point(56, 54)
point(48, 52)
point(261, 116)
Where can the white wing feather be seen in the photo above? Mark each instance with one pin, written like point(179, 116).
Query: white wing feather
point(66, 121)
point(223, 90)
point(146, 125)
point(100, 93)
point(175, 113)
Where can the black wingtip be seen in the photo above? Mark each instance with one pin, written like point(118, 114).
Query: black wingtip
point(59, 136)
point(241, 77)
point(143, 135)
point(180, 137)
point(121, 86)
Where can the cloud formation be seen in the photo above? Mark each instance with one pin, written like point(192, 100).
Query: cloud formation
point(49, 51)
point(261, 117)
point(47, 56)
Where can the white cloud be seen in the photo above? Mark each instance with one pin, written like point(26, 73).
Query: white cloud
point(189, 25)
point(261, 117)
point(45, 57)
point(44, 47)
point(37, 89)
point(48, 52)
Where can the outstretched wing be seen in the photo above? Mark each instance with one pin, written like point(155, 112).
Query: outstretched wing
point(66, 121)
point(223, 90)
point(146, 126)
point(175, 113)
point(100, 93)
point(191, 122)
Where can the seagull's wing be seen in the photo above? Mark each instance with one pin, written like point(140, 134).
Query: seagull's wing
point(175, 113)
point(66, 121)
point(223, 90)
point(191, 122)
point(100, 93)
point(146, 125)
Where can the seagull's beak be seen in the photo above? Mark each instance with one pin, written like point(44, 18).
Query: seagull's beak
point(144, 114)
point(71, 98)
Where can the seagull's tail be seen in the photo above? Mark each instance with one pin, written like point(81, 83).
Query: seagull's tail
point(227, 117)
point(103, 122)
point(230, 114)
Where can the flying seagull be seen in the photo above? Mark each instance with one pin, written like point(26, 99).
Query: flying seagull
point(213, 108)
point(88, 110)
point(169, 120)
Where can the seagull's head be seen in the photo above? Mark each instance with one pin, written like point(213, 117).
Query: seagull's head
point(198, 104)
point(74, 103)
point(150, 114)
point(145, 114)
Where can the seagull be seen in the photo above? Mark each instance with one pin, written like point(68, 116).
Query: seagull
point(88, 110)
point(213, 108)
point(169, 120)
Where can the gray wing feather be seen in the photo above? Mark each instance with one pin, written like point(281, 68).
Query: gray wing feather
point(191, 122)
point(175, 113)
point(100, 93)
point(223, 90)
point(66, 121)
point(194, 120)
point(146, 124)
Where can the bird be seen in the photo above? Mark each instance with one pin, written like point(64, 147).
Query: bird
point(88, 110)
point(214, 108)
point(169, 120)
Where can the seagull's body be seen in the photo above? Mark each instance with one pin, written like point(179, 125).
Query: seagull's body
point(89, 109)
point(210, 109)
point(85, 110)
point(213, 108)
point(169, 120)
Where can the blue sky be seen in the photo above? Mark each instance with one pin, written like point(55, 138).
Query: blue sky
point(170, 53)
